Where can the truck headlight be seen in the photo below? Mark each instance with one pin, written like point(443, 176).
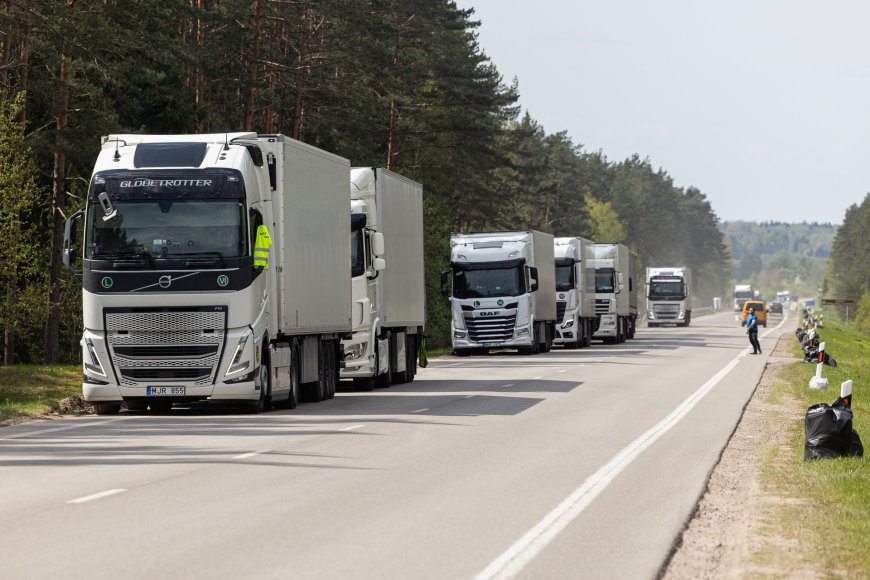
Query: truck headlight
point(682, 314)
point(523, 332)
point(94, 366)
point(237, 365)
point(458, 334)
point(568, 323)
point(354, 351)
point(652, 315)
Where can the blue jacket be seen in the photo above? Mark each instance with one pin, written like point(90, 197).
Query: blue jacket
point(752, 318)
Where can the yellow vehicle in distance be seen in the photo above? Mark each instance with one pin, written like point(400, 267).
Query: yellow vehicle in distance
point(760, 312)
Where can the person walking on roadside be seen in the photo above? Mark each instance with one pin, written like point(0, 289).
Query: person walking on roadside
point(752, 331)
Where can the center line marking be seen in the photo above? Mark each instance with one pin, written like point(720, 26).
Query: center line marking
point(251, 454)
point(507, 385)
point(419, 410)
point(102, 494)
point(351, 428)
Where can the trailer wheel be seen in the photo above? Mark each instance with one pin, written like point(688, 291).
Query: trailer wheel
point(106, 408)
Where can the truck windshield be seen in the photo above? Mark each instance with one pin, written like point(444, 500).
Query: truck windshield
point(161, 228)
point(666, 289)
point(604, 282)
point(477, 281)
point(564, 276)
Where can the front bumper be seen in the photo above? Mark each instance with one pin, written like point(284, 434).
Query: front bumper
point(607, 326)
point(247, 391)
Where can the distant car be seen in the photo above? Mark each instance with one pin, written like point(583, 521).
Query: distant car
point(775, 308)
point(760, 312)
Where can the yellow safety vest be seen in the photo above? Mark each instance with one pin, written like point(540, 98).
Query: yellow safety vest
point(261, 248)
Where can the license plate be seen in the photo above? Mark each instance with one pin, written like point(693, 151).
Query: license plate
point(165, 391)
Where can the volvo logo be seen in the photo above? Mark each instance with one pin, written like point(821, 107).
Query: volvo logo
point(164, 281)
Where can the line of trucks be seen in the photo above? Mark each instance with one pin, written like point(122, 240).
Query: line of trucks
point(258, 270)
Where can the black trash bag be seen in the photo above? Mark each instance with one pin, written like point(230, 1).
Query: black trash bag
point(829, 431)
point(829, 360)
point(800, 333)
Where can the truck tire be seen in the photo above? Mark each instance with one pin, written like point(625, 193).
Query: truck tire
point(264, 401)
point(332, 374)
point(292, 399)
point(403, 377)
point(383, 381)
point(106, 408)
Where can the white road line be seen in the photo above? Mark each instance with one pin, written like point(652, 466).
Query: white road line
point(506, 386)
point(516, 557)
point(420, 410)
point(563, 371)
point(102, 494)
point(351, 428)
point(469, 396)
point(64, 428)
point(251, 454)
point(536, 378)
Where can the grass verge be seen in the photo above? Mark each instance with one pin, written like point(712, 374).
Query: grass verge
point(32, 390)
point(827, 512)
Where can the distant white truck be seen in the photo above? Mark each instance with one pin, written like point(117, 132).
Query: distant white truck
point(615, 292)
point(503, 291)
point(389, 301)
point(742, 293)
point(575, 291)
point(669, 296)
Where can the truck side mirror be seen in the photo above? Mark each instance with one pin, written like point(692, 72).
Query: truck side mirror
point(69, 240)
point(378, 264)
point(533, 275)
point(444, 276)
point(646, 290)
point(377, 244)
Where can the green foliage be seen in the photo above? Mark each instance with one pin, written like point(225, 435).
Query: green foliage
point(849, 262)
point(395, 83)
point(30, 390)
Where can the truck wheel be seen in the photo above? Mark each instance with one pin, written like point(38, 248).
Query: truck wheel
point(106, 408)
point(332, 374)
point(411, 365)
point(384, 381)
point(293, 398)
point(587, 333)
point(403, 377)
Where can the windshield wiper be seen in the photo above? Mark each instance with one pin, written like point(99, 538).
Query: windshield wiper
point(202, 257)
point(129, 259)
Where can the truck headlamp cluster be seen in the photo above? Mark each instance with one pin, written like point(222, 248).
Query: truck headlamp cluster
point(523, 332)
point(94, 366)
point(682, 315)
point(237, 365)
point(652, 315)
point(568, 323)
point(458, 334)
point(354, 351)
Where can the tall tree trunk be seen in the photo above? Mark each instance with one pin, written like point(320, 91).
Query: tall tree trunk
point(52, 320)
point(252, 69)
point(301, 63)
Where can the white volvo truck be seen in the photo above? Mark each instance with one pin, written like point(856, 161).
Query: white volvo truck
point(668, 296)
point(504, 291)
point(575, 291)
point(615, 292)
point(175, 309)
point(389, 294)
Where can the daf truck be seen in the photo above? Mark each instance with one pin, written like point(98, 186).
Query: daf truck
point(503, 291)
point(575, 291)
point(615, 292)
point(742, 293)
point(389, 301)
point(214, 267)
point(668, 296)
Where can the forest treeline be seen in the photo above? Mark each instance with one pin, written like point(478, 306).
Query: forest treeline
point(401, 84)
point(848, 273)
point(776, 256)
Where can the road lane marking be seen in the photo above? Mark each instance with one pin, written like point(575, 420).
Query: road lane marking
point(351, 428)
point(420, 410)
point(507, 385)
point(516, 557)
point(536, 378)
point(251, 454)
point(100, 495)
point(563, 371)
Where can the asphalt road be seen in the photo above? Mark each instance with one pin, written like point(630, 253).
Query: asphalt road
point(570, 464)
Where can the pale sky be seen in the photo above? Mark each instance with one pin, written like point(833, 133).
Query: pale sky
point(763, 105)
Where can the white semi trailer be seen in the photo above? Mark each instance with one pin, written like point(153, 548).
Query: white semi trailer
point(615, 292)
point(575, 291)
point(214, 267)
point(669, 296)
point(389, 296)
point(504, 291)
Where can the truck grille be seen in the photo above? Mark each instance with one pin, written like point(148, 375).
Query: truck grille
point(560, 311)
point(165, 345)
point(602, 306)
point(666, 311)
point(491, 328)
